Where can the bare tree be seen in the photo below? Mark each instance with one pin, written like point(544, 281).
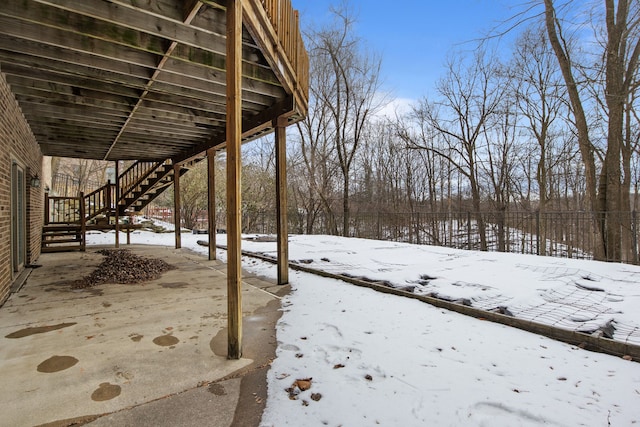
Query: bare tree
point(468, 100)
point(315, 165)
point(621, 51)
point(539, 98)
point(499, 163)
point(349, 91)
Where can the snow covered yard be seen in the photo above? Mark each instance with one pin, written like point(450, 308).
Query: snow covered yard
point(377, 359)
point(366, 358)
point(586, 296)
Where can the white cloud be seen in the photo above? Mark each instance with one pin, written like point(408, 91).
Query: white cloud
point(396, 107)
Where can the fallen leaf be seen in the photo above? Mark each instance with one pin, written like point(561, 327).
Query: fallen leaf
point(316, 396)
point(304, 384)
point(293, 392)
point(338, 366)
point(368, 377)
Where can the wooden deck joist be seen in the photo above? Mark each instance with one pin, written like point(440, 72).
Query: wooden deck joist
point(107, 79)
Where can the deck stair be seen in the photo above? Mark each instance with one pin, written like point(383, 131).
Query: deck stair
point(68, 218)
point(62, 238)
point(63, 229)
point(142, 182)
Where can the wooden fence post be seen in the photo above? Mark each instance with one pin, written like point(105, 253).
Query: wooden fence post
point(538, 232)
point(634, 232)
point(469, 231)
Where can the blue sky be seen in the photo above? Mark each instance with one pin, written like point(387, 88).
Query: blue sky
point(415, 36)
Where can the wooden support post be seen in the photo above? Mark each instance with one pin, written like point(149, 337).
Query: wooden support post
point(211, 206)
point(83, 223)
point(234, 140)
point(47, 208)
point(107, 201)
point(177, 219)
point(281, 200)
point(116, 203)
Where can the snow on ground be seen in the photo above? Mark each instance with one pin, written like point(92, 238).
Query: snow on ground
point(573, 294)
point(378, 359)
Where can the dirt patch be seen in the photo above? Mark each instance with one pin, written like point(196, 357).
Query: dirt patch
point(166, 340)
point(121, 266)
point(217, 389)
point(174, 285)
point(106, 391)
point(38, 330)
point(57, 364)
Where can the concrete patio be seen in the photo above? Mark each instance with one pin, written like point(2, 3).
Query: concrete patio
point(152, 353)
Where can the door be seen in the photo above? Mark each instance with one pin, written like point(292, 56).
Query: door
point(18, 217)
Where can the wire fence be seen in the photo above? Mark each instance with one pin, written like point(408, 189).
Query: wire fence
point(558, 234)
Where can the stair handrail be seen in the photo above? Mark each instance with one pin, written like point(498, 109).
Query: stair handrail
point(133, 177)
point(143, 184)
point(99, 201)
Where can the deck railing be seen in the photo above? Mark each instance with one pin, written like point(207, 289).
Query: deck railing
point(63, 210)
point(286, 23)
point(100, 201)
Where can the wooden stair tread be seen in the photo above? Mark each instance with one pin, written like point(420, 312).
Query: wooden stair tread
point(67, 248)
point(60, 234)
point(58, 241)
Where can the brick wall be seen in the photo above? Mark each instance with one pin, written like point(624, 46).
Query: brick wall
point(17, 144)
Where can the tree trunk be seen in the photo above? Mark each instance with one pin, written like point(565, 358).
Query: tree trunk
point(345, 206)
point(541, 176)
point(582, 128)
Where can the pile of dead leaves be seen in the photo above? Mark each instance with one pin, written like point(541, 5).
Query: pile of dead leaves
point(121, 266)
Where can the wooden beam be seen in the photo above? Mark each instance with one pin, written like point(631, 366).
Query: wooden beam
point(234, 163)
point(280, 125)
point(108, 80)
point(179, 74)
point(116, 202)
point(137, 19)
point(211, 193)
point(109, 84)
point(189, 17)
point(190, 10)
point(250, 127)
point(55, 28)
point(177, 219)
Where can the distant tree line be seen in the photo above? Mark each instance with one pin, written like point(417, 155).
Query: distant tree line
point(550, 124)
